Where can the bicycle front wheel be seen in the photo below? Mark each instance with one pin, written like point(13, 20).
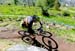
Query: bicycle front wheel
point(49, 42)
point(45, 33)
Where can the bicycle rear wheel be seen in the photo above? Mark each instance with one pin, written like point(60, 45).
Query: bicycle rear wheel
point(49, 42)
point(23, 33)
point(27, 39)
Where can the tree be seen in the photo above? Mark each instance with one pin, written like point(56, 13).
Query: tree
point(45, 5)
point(57, 5)
point(33, 2)
point(44, 12)
point(15, 2)
point(24, 2)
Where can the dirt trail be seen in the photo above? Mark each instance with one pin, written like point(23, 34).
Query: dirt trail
point(63, 45)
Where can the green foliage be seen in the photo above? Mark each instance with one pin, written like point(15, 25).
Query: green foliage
point(45, 3)
point(69, 10)
point(64, 20)
point(1, 19)
point(67, 34)
point(15, 2)
point(19, 10)
point(57, 5)
point(66, 13)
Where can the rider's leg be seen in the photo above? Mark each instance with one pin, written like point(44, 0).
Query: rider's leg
point(31, 31)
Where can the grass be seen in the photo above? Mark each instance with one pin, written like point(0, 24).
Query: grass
point(19, 10)
point(60, 20)
point(6, 43)
point(67, 34)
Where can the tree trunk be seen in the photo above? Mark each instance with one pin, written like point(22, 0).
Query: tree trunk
point(45, 12)
point(15, 2)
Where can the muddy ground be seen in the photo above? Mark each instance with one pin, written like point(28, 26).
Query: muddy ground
point(14, 36)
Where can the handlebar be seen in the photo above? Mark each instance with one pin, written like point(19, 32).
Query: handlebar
point(40, 30)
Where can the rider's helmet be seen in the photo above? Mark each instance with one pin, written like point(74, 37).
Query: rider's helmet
point(36, 18)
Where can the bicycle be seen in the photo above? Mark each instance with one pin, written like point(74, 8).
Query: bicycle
point(26, 37)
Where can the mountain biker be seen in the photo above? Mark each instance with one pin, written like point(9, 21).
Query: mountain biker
point(28, 23)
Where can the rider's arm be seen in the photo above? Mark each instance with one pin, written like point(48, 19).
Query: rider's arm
point(40, 28)
point(41, 24)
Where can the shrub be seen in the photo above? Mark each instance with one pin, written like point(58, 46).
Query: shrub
point(66, 13)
